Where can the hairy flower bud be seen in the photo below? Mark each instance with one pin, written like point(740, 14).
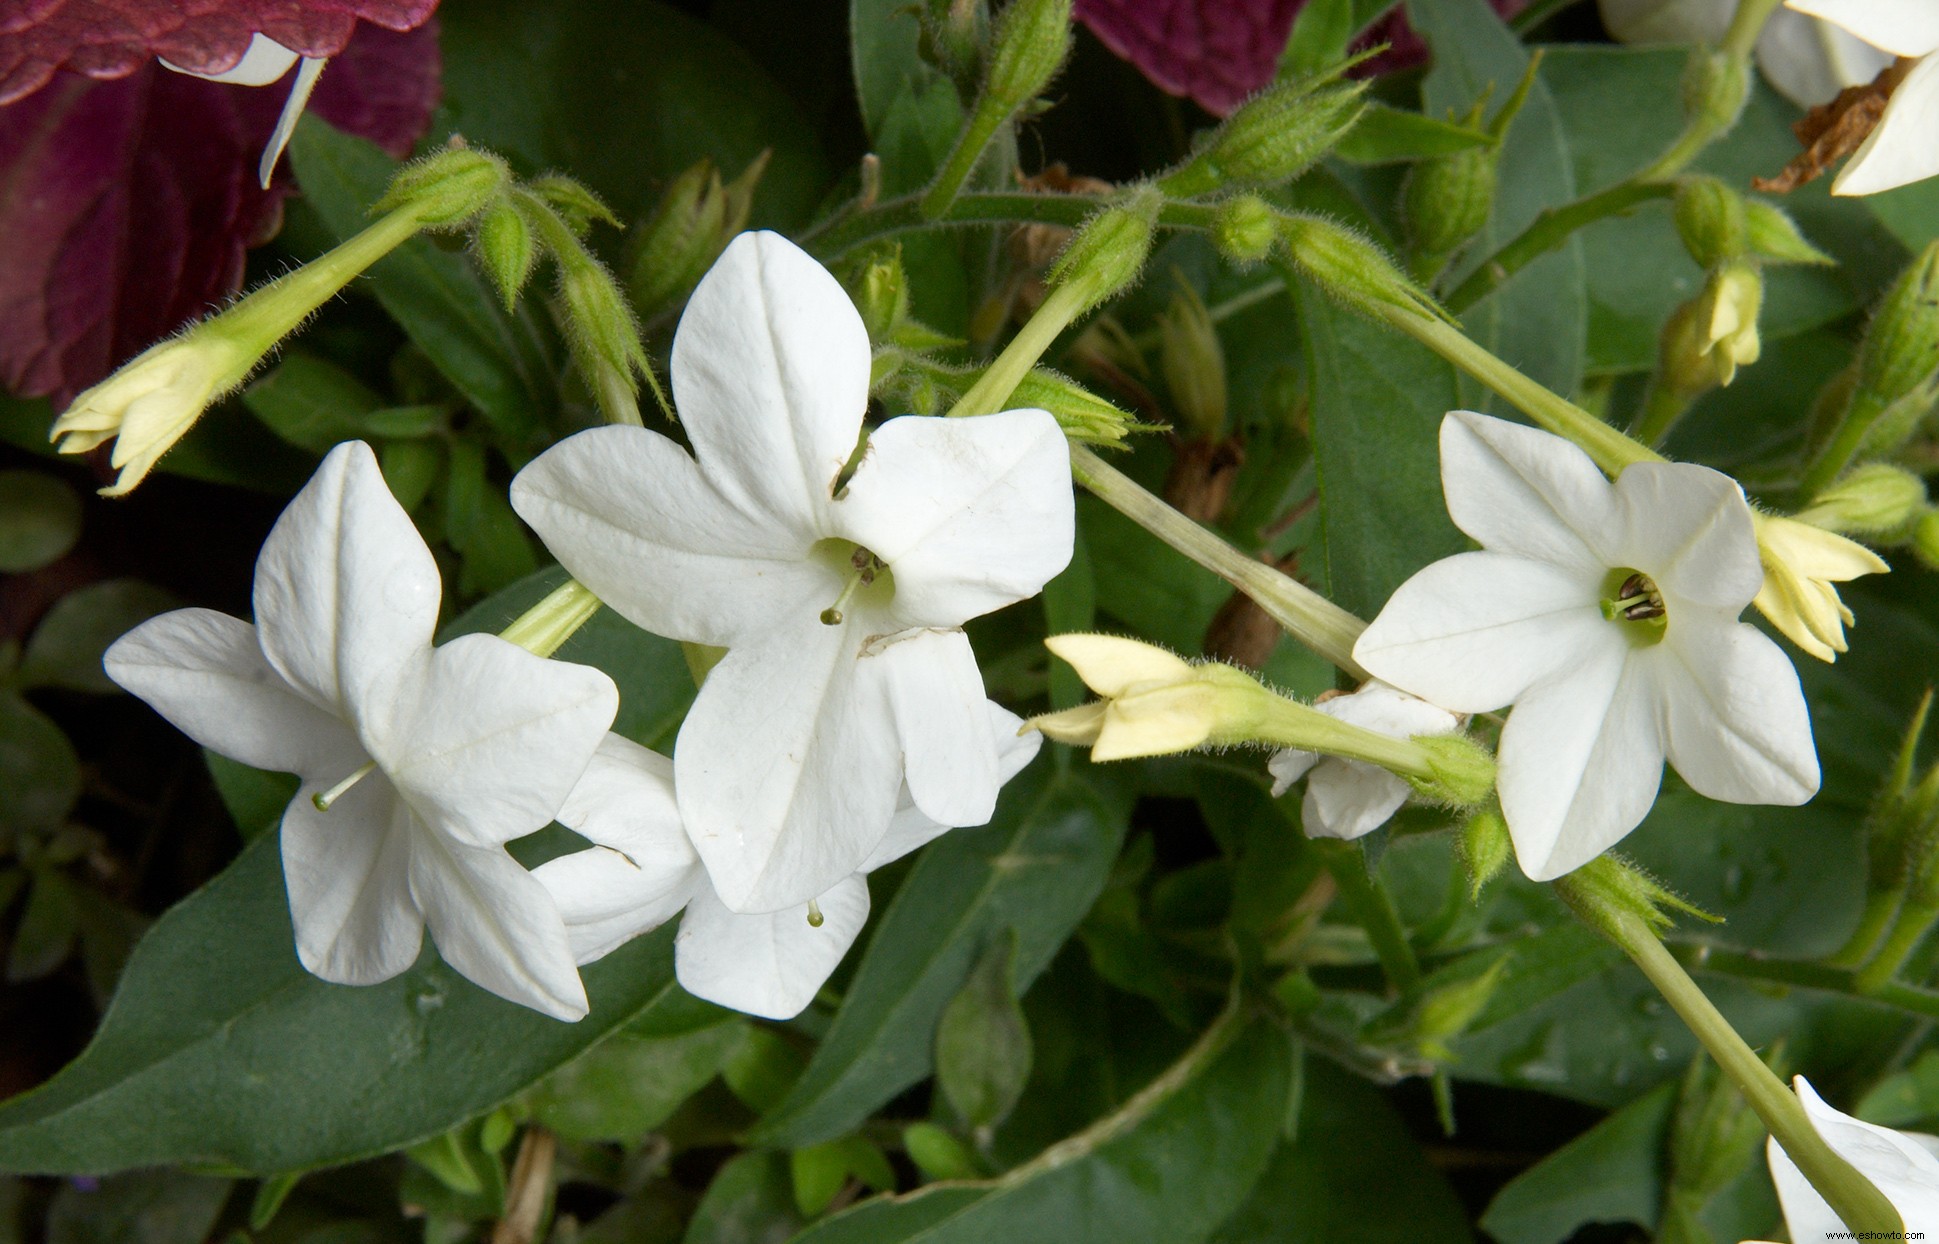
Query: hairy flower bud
point(1715, 87)
point(1485, 848)
point(1245, 228)
point(1083, 415)
point(690, 225)
point(1900, 352)
point(882, 295)
point(1874, 499)
point(1194, 364)
point(505, 249)
point(1109, 252)
point(1772, 235)
point(1925, 538)
point(1446, 201)
point(1348, 266)
point(448, 187)
point(1032, 39)
point(1272, 138)
point(1712, 221)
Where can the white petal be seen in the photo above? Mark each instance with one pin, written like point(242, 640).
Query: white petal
point(630, 515)
point(1738, 727)
point(1810, 61)
point(771, 374)
point(1346, 799)
point(643, 870)
point(1581, 759)
point(1525, 491)
point(787, 768)
point(263, 62)
point(933, 688)
point(1390, 711)
point(1472, 631)
point(204, 671)
point(1901, 27)
point(1289, 766)
point(910, 829)
point(348, 876)
point(970, 514)
point(1904, 146)
point(299, 99)
point(346, 592)
point(495, 924)
point(1903, 1167)
point(1689, 528)
point(770, 965)
point(492, 739)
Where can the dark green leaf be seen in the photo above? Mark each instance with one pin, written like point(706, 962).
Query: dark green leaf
point(751, 1201)
point(626, 1086)
point(39, 771)
point(1167, 1168)
point(66, 647)
point(153, 1207)
point(410, 469)
point(982, 1040)
point(1611, 1173)
point(255, 799)
point(885, 37)
point(1035, 867)
point(1909, 1099)
point(47, 927)
point(40, 519)
point(479, 522)
point(311, 402)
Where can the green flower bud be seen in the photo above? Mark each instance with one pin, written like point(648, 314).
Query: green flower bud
point(1245, 229)
point(1194, 364)
point(1272, 138)
point(1464, 771)
point(597, 318)
point(1485, 848)
point(579, 207)
point(1901, 348)
point(1108, 253)
point(1032, 39)
point(1892, 823)
point(1083, 415)
point(1446, 202)
point(1874, 499)
point(1707, 339)
point(1773, 235)
point(882, 295)
point(1714, 1135)
point(1925, 538)
point(1609, 887)
point(1438, 1010)
point(1711, 219)
point(1715, 88)
point(1350, 267)
point(506, 249)
point(692, 223)
point(448, 187)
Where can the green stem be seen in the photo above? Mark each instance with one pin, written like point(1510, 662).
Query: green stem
point(1880, 907)
point(844, 233)
point(1288, 723)
point(1914, 922)
point(1546, 232)
point(1301, 612)
point(1745, 25)
point(1611, 449)
point(993, 388)
point(1844, 445)
point(983, 125)
point(1372, 909)
point(1804, 974)
point(545, 626)
point(273, 312)
point(1851, 1196)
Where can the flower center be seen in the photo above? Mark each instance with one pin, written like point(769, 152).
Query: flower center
point(1632, 599)
point(324, 798)
point(864, 576)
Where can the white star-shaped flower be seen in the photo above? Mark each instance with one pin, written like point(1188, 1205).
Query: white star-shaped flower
point(1904, 146)
point(644, 870)
point(1348, 798)
point(840, 601)
point(1904, 1166)
point(429, 759)
point(1607, 615)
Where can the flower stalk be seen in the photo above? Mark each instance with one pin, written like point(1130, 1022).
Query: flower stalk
point(545, 627)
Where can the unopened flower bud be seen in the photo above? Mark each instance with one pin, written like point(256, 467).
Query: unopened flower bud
point(882, 296)
point(1712, 221)
point(692, 223)
point(1462, 771)
point(1728, 317)
point(1485, 848)
point(1609, 890)
point(1108, 253)
point(448, 187)
point(1900, 352)
point(1154, 703)
point(1348, 266)
point(1245, 228)
point(1715, 88)
point(1772, 235)
point(598, 321)
point(1083, 415)
point(1445, 1011)
point(1032, 39)
point(1271, 139)
point(1925, 538)
point(1714, 1135)
point(1874, 499)
point(1446, 201)
point(506, 249)
point(1801, 565)
point(1194, 364)
point(578, 206)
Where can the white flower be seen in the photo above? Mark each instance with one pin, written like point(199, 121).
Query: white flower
point(429, 759)
point(1904, 146)
point(1608, 616)
point(1348, 798)
point(840, 603)
point(1904, 1166)
point(1808, 61)
point(265, 61)
point(644, 869)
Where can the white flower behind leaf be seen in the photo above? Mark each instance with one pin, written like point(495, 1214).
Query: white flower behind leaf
point(1607, 615)
point(644, 869)
point(839, 598)
point(418, 763)
point(1349, 798)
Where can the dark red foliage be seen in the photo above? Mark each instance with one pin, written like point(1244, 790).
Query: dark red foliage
point(115, 38)
point(127, 205)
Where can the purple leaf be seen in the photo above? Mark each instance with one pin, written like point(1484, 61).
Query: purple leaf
point(127, 205)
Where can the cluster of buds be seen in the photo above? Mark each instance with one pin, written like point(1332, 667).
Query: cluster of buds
point(1447, 199)
point(1271, 138)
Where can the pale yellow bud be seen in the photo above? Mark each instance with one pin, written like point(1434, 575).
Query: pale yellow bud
point(148, 404)
point(1801, 564)
point(1728, 318)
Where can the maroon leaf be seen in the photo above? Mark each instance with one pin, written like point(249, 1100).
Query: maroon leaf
point(115, 38)
point(128, 205)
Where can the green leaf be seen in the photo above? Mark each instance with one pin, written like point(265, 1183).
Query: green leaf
point(1070, 604)
point(39, 771)
point(410, 469)
point(47, 927)
point(480, 524)
point(1386, 135)
point(821, 1171)
point(751, 1199)
point(40, 519)
point(255, 798)
point(1351, 1173)
point(152, 1207)
point(983, 1041)
point(1611, 1173)
point(1166, 1168)
point(66, 647)
point(1907, 1099)
point(499, 362)
point(1538, 319)
point(885, 41)
point(311, 402)
point(1377, 405)
point(219, 1048)
point(627, 1085)
point(1036, 867)
point(622, 95)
